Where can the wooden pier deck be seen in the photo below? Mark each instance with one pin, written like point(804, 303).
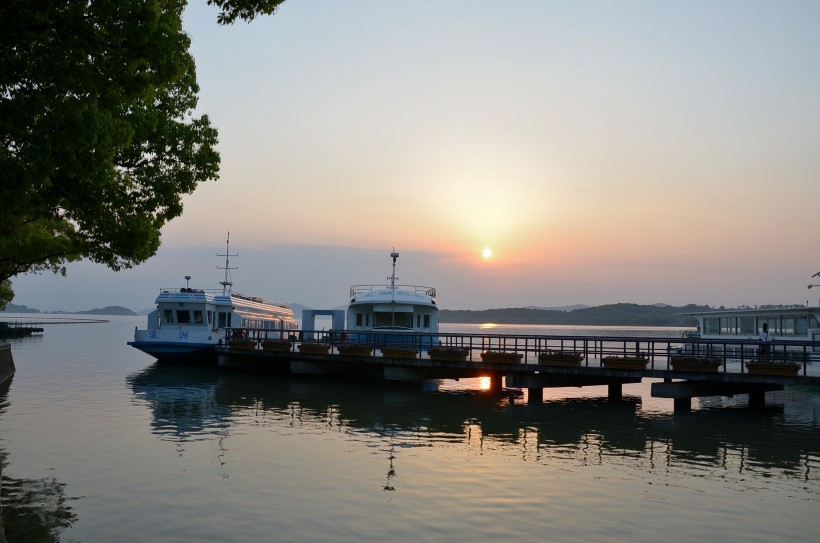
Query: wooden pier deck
point(728, 376)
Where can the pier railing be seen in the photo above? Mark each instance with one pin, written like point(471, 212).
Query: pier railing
point(658, 351)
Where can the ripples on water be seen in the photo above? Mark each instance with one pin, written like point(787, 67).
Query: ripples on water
point(115, 447)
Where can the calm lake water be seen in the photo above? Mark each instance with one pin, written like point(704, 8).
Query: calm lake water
point(100, 444)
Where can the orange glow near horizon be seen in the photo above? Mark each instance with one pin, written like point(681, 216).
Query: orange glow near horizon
point(484, 383)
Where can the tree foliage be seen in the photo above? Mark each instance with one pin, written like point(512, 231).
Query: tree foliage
point(231, 10)
point(99, 138)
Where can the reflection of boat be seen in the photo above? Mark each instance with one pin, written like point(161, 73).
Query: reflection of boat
point(189, 323)
point(183, 400)
point(787, 326)
point(393, 311)
point(188, 403)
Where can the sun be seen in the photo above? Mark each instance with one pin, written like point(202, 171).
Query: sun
point(487, 253)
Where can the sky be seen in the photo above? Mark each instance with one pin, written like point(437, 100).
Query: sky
point(604, 152)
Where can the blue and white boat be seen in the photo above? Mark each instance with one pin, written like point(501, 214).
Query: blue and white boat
point(393, 314)
point(189, 323)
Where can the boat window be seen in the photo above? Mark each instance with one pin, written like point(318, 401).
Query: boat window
point(418, 321)
point(183, 316)
point(210, 317)
point(389, 319)
point(222, 319)
point(728, 325)
point(367, 319)
point(710, 325)
point(801, 326)
point(169, 316)
point(427, 321)
point(747, 325)
point(787, 326)
point(197, 317)
point(358, 319)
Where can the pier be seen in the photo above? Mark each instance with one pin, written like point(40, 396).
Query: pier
point(715, 368)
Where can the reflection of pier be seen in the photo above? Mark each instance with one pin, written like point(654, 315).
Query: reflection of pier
point(580, 430)
point(728, 377)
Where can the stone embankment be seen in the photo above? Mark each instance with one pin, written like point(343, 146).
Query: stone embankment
point(6, 371)
point(6, 361)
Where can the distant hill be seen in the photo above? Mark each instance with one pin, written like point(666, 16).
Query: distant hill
point(559, 308)
point(605, 315)
point(108, 310)
point(12, 308)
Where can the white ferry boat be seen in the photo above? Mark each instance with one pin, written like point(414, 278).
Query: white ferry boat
point(189, 323)
point(394, 311)
point(788, 327)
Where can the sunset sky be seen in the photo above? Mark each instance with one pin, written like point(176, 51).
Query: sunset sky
point(631, 151)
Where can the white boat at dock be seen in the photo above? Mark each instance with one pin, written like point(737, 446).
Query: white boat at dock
point(788, 327)
point(392, 314)
point(189, 323)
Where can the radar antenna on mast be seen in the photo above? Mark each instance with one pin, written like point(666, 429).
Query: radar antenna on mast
point(226, 284)
point(395, 256)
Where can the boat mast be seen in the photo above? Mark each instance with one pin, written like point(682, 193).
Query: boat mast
point(226, 284)
point(810, 286)
point(395, 256)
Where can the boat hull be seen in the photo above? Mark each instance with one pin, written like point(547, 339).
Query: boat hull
point(188, 353)
point(179, 345)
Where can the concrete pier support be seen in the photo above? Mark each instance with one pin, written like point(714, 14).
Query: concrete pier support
point(496, 383)
point(683, 392)
point(616, 391)
point(683, 405)
point(535, 395)
point(757, 399)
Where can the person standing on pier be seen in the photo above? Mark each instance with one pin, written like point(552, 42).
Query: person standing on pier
point(765, 340)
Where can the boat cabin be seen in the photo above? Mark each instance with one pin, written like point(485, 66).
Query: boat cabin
point(785, 324)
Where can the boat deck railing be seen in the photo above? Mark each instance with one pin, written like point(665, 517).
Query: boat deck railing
point(220, 292)
point(418, 289)
point(186, 290)
point(260, 300)
point(659, 352)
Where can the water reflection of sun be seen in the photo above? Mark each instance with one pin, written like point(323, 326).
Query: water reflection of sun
point(484, 383)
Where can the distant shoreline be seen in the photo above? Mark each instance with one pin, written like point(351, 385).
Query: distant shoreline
point(607, 315)
point(105, 311)
point(622, 314)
